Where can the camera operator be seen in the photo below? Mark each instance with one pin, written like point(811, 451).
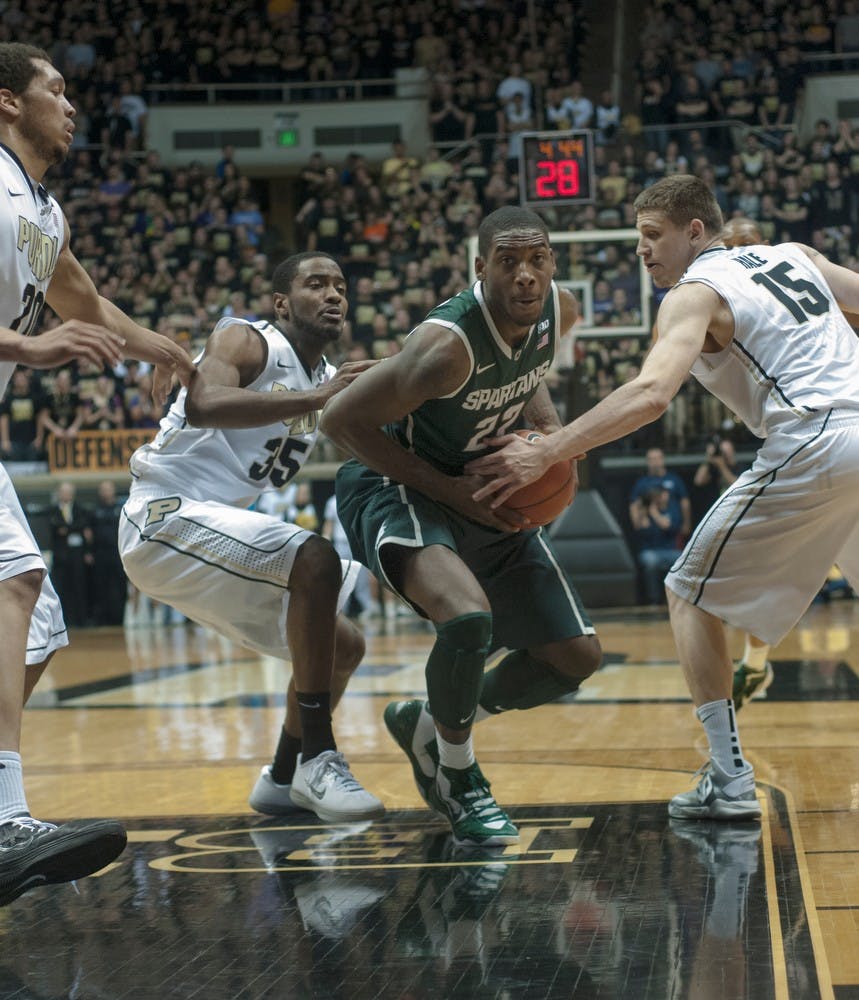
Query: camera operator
point(656, 527)
point(718, 470)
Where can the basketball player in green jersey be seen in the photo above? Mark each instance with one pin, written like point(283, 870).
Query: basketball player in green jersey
point(472, 370)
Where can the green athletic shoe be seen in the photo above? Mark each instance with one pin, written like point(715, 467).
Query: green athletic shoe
point(475, 818)
point(750, 683)
point(402, 719)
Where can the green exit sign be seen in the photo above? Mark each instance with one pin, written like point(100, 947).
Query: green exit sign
point(287, 137)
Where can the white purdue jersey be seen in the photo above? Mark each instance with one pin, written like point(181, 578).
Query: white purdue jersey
point(31, 237)
point(793, 356)
point(234, 466)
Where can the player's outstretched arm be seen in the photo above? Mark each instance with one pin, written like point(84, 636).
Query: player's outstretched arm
point(73, 296)
point(234, 357)
point(73, 341)
point(684, 318)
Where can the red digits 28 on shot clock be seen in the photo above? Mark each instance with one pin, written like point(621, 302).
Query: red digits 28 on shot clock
point(556, 168)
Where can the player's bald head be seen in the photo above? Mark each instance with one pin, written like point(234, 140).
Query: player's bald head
point(742, 232)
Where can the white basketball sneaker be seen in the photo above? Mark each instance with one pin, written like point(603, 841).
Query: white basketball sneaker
point(326, 786)
point(270, 798)
point(718, 795)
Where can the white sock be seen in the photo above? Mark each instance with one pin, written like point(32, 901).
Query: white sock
point(755, 657)
point(13, 802)
point(717, 717)
point(456, 755)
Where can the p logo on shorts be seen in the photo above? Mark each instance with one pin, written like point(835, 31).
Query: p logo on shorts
point(157, 510)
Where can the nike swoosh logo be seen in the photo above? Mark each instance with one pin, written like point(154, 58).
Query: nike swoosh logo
point(484, 368)
point(15, 194)
point(280, 364)
point(466, 720)
point(315, 704)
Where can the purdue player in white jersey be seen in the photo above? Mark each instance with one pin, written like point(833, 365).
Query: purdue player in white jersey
point(762, 329)
point(37, 266)
point(247, 424)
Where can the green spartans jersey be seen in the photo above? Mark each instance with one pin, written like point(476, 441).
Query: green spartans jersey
point(450, 431)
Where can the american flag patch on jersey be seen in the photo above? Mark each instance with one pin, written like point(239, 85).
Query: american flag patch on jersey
point(543, 330)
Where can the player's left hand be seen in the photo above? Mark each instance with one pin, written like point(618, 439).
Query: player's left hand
point(516, 463)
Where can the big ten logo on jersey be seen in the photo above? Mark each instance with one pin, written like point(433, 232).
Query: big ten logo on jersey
point(41, 249)
point(306, 423)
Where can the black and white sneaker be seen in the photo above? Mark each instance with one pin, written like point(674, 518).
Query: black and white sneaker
point(34, 853)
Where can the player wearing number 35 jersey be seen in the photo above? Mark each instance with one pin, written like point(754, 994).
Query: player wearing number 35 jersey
point(245, 425)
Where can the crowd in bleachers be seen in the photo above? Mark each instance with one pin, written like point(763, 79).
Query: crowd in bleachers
point(180, 248)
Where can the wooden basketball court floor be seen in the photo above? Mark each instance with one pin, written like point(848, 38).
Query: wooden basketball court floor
point(166, 728)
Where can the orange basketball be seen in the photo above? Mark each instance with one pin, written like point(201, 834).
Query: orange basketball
point(544, 499)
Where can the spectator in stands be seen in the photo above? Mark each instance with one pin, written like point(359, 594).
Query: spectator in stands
point(102, 408)
point(450, 121)
point(118, 132)
point(793, 210)
point(607, 119)
point(518, 118)
point(133, 106)
point(718, 471)
point(63, 414)
point(658, 477)
point(558, 110)
point(21, 419)
point(142, 412)
point(247, 218)
point(397, 170)
point(515, 83)
point(488, 118)
point(429, 48)
point(581, 108)
point(774, 113)
point(692, 104)
point(655, 112)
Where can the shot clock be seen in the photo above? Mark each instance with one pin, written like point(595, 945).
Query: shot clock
point(556, 168)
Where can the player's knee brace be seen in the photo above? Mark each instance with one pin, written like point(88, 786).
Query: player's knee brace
point(454, 670)
point(521, 681)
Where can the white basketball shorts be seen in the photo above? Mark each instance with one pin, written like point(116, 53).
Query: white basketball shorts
point(763, 550)
point(19, 553)
point(221, 566)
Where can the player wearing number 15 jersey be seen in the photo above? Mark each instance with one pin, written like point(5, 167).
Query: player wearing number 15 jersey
point(761, 328)
point(474, 369)
point(245, 425)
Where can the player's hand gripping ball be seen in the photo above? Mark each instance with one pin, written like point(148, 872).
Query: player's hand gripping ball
point(547, 497)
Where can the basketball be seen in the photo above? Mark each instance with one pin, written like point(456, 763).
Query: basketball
point(544, 499)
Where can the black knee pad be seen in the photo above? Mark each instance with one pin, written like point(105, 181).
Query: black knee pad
point(454, 670)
